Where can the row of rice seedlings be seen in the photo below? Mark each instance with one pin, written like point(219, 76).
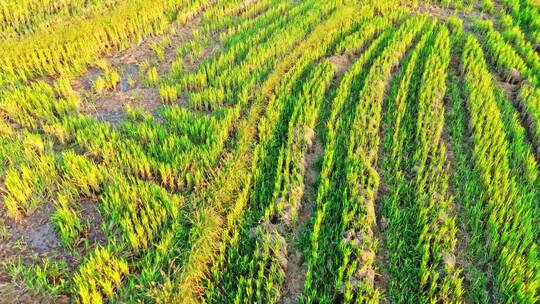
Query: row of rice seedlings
point(262, 278)
point(230, 14)
point(290, 69)
point(263, 208)
point(179, 77)
point(171, 87)
point(398, 205)
point(354, 255)
point(27, 16)
point(527, 14)
point(37, 107)
point(195, 239)
point(529, 101)
point(71, 46)
point(468, 184)
point(522, 157)
point(439, 277)
point(466, 5)
point(237, 47)
point(504, 56)
point(260, 13)
point(315, 282)
point(29, 176)
point(358, 246)
point(509, 221)
point(229, 85)
point(289, 186)
point(513, 34)
point(368, 30)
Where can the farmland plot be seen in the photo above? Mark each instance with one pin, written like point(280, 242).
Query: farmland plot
point(269, 151)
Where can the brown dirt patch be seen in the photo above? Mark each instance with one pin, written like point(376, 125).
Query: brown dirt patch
point(13, 293)
point(91, 213)
point(341, 62)
point(29, 240)
point(110, 107)
point(33, 237)
point(443, 13)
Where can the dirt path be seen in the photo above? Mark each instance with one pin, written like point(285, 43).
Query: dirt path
point(459, 256)
point(295, 272)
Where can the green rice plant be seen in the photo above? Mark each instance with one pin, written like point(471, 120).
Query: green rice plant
point(177, 67)
point(107, 82)
point(526, 15)
point(511, 246)
point(398, 206)
point(6, 130)
point(81, 173)
point(437, 241)
point(529, 98)
point(159, 47)
point(454, 23)
point(67, 221)
point(99, 85)
point(467, 185)
point(63, 88)
point(48, 276)
point(152, 76)
point(99, 276)
point(506, 58)
point(112, 78)
point(35, 105)
point(144, 65)
point(168, 93)
point(27, 186)
point(488, 6)
point(24, 17)
point(148, 209)
point(353, 256)
point(159, 51)
point(70, 45)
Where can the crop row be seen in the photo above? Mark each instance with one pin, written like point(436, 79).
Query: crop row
point(197, 240)
point(352, 203)
point(509, 221)
point(71, 47)
point(20, 17)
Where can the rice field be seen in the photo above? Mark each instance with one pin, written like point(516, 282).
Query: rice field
point(269, 151)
